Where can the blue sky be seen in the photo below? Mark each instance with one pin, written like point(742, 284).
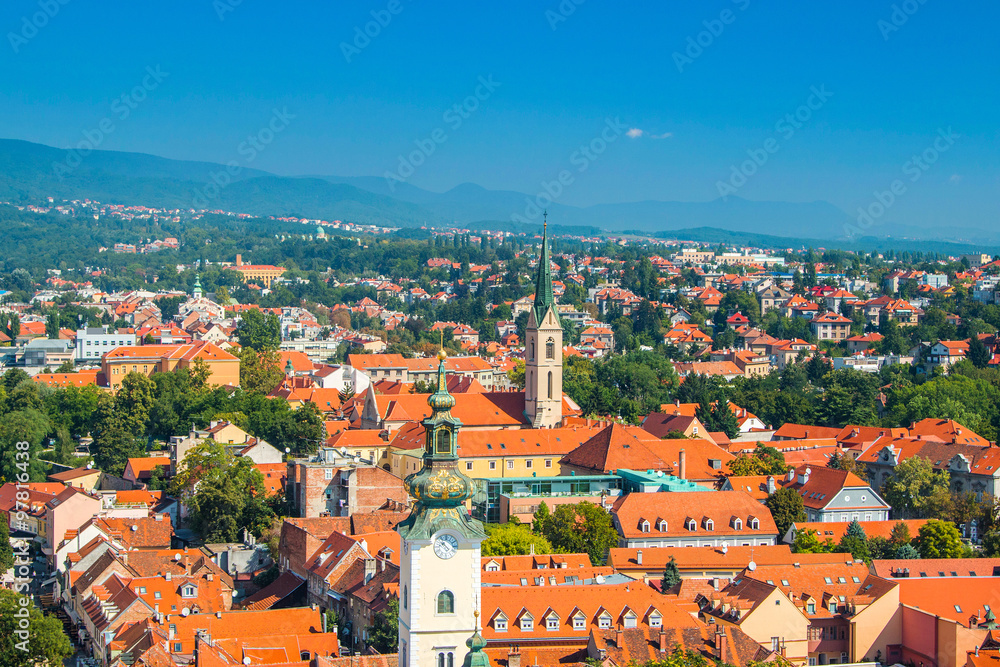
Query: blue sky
point(561, 75)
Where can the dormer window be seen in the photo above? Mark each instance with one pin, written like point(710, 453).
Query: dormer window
point(754, 523)
point(833, 606)
point(811, 608)
point(709, 524)
point(662, 526)
point(630, 619)
point(655, 619)
point(492, 566)
point(579, 621)
point(527, 623)
point(737, 523)
point(189, 591)
point(644, 526)
point(604, 621)
point(500, 623)
point(552, 622)
point(691, 525)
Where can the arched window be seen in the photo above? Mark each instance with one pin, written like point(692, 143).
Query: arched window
point(531, 350)
point(446, 602)
point(405, 597)
point(528, 387)
point(550, 384)
point(550, 349)
point(446, 659)
point(443, 441)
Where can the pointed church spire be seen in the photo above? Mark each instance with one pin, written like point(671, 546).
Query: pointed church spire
point(543, 282)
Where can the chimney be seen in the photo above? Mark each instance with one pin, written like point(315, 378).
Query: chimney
point(618, 636)
point(514, 657)
point(638, 557)
point(663, 640)
point(677, 402)
point(187, 566)
point(804, 476)
point(791, 474)
point(239, 260)
point(369, 569)
point(682, 467)
point(770, 484)
point(721, 645)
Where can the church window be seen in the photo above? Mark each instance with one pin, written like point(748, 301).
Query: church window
point(446, 602)
point(531, 354)
point(550, 349)
point(443, 442)
point(550, 384)
point(405, 597)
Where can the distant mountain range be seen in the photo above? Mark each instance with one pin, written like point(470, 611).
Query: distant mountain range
point(29, 172)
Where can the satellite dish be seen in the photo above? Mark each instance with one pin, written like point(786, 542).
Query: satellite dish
point(185, 611)
point(134, 527)
point(725, 548)
point(246, 660)
point(751, 566)
point(177, 557)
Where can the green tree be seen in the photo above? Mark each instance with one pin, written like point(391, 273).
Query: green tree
point(900, 534)
point(906, 552)
point(384, 633)
point(259, 331)
point(991, 544)
point(581, 528)
point(806, 542)
point(45, 641)
point(541, 518)
point(856, 546)
point(260, 370)
point(512, 539)
point(978, 353)
point(30, 426)
point(786, 508)
point(939, 539)
point(6, 551)
point(516, 374)
point(671, 575)
point(855, 529)
point(765, 460)
point(912, 488)
point(225, 493)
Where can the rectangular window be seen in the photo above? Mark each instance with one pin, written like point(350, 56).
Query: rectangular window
point(548, 463)
point(493, 465)
point(527, 463)
point(510, 465)
point(177, 647)
point(468, 465)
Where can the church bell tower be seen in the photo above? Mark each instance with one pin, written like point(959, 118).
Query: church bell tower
point(543, 350)
point(439, 573)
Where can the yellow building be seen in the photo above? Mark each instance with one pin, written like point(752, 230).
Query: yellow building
point(149, 359)
point(491, 454)
point(262, 274)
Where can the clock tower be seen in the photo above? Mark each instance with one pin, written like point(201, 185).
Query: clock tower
point(439, 574)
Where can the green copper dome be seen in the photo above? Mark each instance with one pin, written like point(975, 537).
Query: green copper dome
point(439, 487)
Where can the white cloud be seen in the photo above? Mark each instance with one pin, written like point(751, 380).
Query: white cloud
point(635, 133)
point(955, 178)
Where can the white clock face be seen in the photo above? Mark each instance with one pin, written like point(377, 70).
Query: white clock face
point(445, 546)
